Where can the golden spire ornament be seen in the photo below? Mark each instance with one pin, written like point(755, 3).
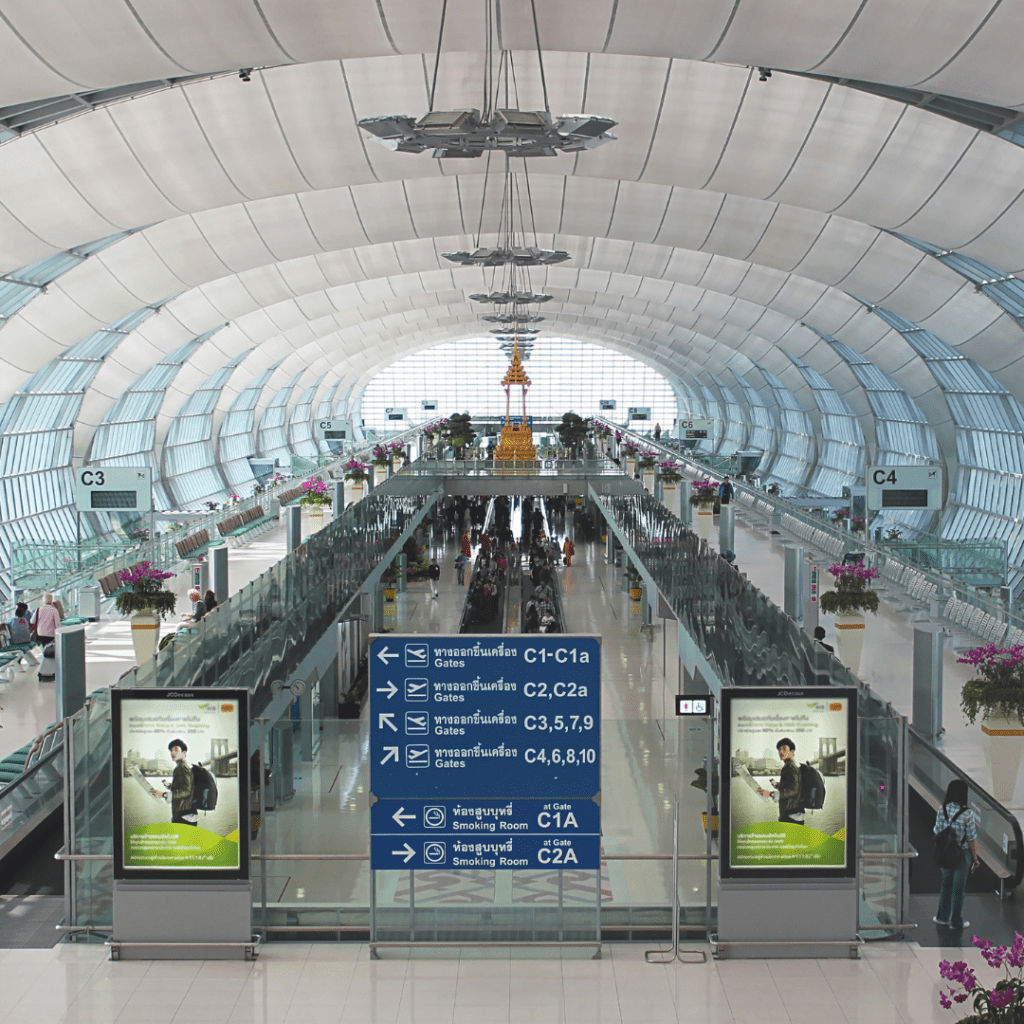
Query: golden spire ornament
point(516, 441)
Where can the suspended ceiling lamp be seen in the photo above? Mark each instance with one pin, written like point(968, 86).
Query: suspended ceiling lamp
point(470, 132)
point(510, 298)
point(519, 256)
point(525, 332)
point(513, 318)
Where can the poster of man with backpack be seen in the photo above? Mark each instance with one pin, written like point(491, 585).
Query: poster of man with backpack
point(179, 797)
point(790, 806)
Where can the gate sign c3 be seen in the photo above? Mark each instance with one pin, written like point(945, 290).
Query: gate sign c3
point(904, 487)
point(114, 489)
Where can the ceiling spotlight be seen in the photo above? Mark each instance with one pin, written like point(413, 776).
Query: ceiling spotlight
point(245, 74)
point(763, 74)
point(518, 256)
point(503, 298)
point(513, 318)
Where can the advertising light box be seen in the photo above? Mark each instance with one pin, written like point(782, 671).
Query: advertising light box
point(181, 783)
point(790, 796)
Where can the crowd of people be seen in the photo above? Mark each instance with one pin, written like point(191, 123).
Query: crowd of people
point(39, 627)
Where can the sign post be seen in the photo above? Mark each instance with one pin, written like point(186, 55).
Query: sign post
point(902, 487)
point(485, 755)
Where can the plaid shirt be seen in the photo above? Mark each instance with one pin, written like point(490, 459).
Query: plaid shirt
point(964, 826)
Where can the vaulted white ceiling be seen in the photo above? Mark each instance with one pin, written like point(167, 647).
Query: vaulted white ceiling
point(731, 217)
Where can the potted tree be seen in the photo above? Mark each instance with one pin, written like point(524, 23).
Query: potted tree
point(629, 450)
point(704, 497)
point(389, 579)
point(635, 582)
point(996, 693)
point(701, 783)
point(572, 432)
point(459, 433)
point(849, 601)
point(147, 603)
point(316, 498)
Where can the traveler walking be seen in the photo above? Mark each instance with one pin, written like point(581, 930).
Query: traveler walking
point(954, 814)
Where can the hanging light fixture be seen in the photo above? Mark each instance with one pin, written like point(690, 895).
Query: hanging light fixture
point(470, 132)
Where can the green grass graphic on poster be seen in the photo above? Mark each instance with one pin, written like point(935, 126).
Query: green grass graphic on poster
point(163, 845)
point(784, 844)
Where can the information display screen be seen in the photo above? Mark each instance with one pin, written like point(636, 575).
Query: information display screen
point(790, 794)
point(334, 435)
point(181, 783)
point(905, 498)
point(113, 499)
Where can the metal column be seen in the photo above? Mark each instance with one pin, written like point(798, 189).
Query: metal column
point(793, 604)
point(219, 573)
point(293, 527)
point(727, 529)
point(927, 708)
point(339, 498)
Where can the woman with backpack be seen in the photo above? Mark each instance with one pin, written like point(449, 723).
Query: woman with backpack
point(955, 816)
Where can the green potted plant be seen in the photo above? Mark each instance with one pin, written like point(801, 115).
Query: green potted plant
point(458, 432)
point(996, 694)
point(389, 579)
point(849, 601)
point(357, 472)
point(701, 783)
point(572, 432)
point(635, 582)
point(147, 603)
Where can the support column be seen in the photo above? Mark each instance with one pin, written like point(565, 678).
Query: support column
point(219, 573)
point(927, 707)
point(403, 575)
point(293, 527)
point(685, 508)
point(727, 528)
point(339, 498)
point(792, 603)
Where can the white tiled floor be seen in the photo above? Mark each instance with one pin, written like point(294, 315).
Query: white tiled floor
point(326, 983)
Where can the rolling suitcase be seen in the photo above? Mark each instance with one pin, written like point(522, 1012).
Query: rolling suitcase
point(48, 666)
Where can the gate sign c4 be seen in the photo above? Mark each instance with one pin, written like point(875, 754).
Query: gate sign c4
point(485, 754)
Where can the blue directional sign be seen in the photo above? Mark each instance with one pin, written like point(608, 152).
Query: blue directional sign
point(489, 746)
point(474, 852)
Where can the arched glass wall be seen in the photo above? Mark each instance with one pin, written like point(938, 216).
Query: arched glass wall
point(567, 375)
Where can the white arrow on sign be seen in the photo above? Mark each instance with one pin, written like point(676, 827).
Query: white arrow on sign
point(390, 689)
point(401, 818)
point(384, 656)
point(391, 754)
point(384, 718)
point(406, 854)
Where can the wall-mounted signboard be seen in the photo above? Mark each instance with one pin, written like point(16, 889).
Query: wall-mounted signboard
point(485, 754)
point(638, 412)
point(394, 413)
point(181, 783)
point(114, 489)
point(904, 487)
point(606, 404)
point(789, 761)
point(696, 429)
point(334, 430)
point(429, 404)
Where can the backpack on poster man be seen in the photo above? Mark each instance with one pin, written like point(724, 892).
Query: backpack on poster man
point(812, 788)
point(948, 852)
point(204, 789)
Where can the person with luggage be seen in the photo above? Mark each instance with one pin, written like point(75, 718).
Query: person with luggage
point(955, 815)
point(786, 792)
point(45, 621)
